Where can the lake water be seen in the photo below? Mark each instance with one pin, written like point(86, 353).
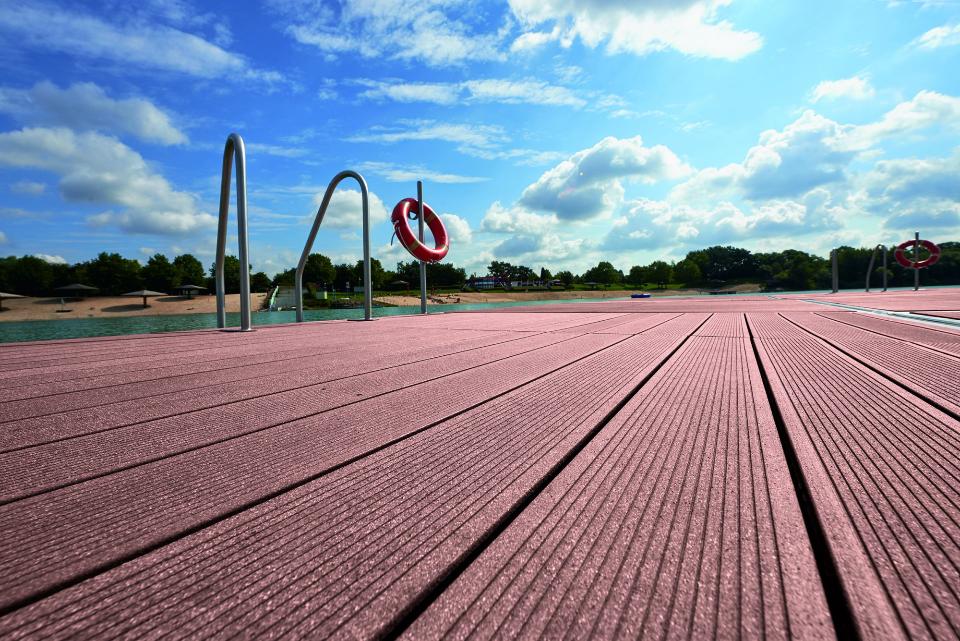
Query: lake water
point(14, 331)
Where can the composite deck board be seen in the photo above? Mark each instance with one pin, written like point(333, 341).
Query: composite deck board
point(678, 520)
point(944, 339)
point(736, 304)
point(345, 555)
point(915, 366)
point(322, 479)
point(54, 537)
point(102, 416)
point(290, 356)
point(66, 461)
point(883, 471)
point(297, 369)
point(895, 301)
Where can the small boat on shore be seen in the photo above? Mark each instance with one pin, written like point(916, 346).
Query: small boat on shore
point(639, 295)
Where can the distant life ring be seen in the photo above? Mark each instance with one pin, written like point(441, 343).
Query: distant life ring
point(409, 240)
point(901, 254)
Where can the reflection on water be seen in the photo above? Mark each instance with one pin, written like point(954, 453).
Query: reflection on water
point(86, 327)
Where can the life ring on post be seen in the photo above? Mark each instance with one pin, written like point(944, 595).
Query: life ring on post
point(900, 253)
point(409, 240)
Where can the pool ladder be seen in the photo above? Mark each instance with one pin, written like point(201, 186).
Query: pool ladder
point(234, 150)
point(367, 287)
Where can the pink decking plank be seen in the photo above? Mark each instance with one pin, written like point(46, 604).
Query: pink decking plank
point(899, 301)
point(311, 339)
point(177, 349)
point(941, 314)
point(678, 520)
point(945, 339)
point(298, 368)
point(240, 409)
point(53, 537)
point(931, 374)
point(347, 553)
point(549, 322)
point(882, 468)
point(734, 304)
point(75, 356)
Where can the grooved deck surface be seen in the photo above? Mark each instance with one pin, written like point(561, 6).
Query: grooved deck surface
point(710, 467)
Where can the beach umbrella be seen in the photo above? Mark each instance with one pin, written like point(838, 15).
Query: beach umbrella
point(190, 289)
point(6, 295)
point(77, 290)
point(144, 293)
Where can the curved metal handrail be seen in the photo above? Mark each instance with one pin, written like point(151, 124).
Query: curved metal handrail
point(233, 149)
point(367, 292)
point(873, 258)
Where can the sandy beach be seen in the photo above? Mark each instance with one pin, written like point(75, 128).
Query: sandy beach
point(513, 297)
point(28, 309)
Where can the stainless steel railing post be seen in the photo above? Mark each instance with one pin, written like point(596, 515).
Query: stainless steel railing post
point(367, 284)
point(233, 149)
point(835, 268)
point(423, 264)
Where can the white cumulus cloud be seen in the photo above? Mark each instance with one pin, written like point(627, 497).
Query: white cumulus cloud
point(855, 88)
point(692, 27)
point(85, 106)
point(52, 259)
point(435, 32)
point(100, 170)
point(346, 210)
point(588, 184)
point(138, 43)
point(947, 35)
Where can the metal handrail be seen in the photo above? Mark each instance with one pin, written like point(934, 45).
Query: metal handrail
point(233, 149)
point(367, 291)
point(873, 258)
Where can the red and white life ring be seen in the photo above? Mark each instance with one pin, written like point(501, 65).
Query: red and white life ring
point(900, 253)
point(409, 240)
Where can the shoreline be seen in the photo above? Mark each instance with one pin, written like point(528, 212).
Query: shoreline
point(514, 297)
point(46, 309)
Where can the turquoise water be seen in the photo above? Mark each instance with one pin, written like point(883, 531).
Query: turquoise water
point(86, 327)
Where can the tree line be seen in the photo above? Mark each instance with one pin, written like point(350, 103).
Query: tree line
point(725, 265)
point(714, 266)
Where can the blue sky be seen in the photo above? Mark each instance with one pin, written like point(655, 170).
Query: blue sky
point(547, 132)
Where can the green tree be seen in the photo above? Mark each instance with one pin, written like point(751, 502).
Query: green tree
point(231, 274)
point(160, 275)
point(113, 274)
point(343, 275)
point(687, 272)
point(376, 274)
point(189, 269)
point(260, 282)
point(502, 272)
point(659, 272)
point(604, 273)
point(319, 270)
point(566, 277)
point(30, 276)
point(286, 277)
point(545, 275)
point(637, 275)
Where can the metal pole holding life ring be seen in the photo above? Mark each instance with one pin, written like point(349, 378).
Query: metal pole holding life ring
point(423, 265)
point(900, 253)
point(401, 227)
